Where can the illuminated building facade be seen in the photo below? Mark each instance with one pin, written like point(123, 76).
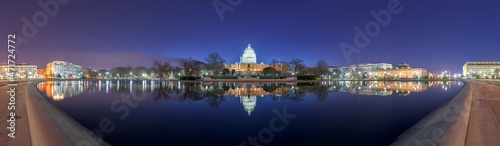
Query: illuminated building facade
point(484, 69)
point(41, 72)
point(63, 69)
point(21, 71)
point(402, 71)
point(248, 63)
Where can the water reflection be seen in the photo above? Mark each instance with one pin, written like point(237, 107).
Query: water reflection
point(248, 93)
point(64, 89)
point(374, 111)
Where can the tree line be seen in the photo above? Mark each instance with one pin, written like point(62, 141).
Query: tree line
point(212, 65)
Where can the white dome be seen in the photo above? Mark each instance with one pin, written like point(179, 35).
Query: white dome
point(248, 56)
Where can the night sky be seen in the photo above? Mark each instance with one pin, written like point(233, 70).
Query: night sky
point(437, 35)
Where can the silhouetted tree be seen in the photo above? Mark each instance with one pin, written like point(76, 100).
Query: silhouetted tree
point(269, 71)
point(215, 97)
point(226, 71)
point(215, 63)
point(321, 68)
point(297, 65)
point(161, 69)
point(191, 67)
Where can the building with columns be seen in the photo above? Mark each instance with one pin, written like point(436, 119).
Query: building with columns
point(482, 69)
point(248, 63)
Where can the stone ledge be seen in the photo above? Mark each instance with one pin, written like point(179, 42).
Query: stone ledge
point(49, 125)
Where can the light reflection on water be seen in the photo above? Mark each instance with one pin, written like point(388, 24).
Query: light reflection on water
point(400, 103)
point(58, 90)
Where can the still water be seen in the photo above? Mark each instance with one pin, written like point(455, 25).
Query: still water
point(195, 113)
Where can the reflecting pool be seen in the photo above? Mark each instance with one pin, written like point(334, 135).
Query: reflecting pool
point(232, 113)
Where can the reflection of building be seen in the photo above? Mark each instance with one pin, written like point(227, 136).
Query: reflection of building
point(248, 62)
point(481, 69)
point(60, 90)
point(380, 88)
point(248, 95)
point(22, 71)
point(63, 69)
point(248, 103)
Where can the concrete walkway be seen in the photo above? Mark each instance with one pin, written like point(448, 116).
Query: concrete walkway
point(22, 135)
point(484, 122)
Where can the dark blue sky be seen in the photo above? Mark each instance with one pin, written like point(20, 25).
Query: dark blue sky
point(438, 35)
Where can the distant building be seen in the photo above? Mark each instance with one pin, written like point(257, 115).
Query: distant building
point(41, 72)
point(21, 71)
point(378, 71)
point(63, 69)
point(357, 70)
point(402, 71)
point(248, 63)
point(89, 73)
point(483, 69)
point(248, 56)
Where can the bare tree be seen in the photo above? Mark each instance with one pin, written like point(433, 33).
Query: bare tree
point(161, 68)
point(297, 65)
point(321, 68)
point(121, 71)
point(140, 71)
point(215, 63)
point(191, 67)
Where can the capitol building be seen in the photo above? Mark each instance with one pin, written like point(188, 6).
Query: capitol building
point(248, 63)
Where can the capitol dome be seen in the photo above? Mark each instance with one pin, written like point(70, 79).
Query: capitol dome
point(248, 56)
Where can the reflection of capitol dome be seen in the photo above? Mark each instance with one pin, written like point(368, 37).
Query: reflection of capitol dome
point(248, 56)
point(248, 103)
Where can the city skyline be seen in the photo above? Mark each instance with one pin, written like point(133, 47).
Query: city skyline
point(434, 35)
